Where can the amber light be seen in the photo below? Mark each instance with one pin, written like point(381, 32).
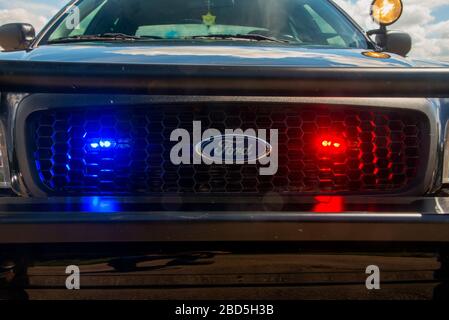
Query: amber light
point(386, 12)
point(377, 55)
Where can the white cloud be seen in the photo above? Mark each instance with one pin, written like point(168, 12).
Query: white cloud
point(430, 39)
point(37, 13)
point(22, 15)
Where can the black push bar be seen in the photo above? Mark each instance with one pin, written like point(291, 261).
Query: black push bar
point(158, 79)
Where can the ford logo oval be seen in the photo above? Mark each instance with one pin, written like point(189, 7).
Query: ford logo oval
point(233, 148)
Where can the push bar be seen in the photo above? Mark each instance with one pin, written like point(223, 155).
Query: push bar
point(159, 79)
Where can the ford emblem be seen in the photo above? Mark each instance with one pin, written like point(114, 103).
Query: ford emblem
point(233, 148)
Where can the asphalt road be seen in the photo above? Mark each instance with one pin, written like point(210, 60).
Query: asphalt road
point(238, 277)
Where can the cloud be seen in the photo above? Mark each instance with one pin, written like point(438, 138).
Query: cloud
point(22, 15)
point(37, 13)
point(430, 38)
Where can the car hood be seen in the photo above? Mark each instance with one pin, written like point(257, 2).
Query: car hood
point(205, 54)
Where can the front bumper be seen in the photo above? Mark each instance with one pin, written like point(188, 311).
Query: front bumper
point(323, 220)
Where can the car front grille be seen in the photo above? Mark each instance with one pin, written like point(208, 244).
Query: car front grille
point(383, 150)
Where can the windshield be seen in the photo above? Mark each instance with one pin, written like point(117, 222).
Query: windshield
point(301, 22)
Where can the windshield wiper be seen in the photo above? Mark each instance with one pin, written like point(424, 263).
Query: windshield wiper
point(102, 37)
point(126, 37)
point(250, 37)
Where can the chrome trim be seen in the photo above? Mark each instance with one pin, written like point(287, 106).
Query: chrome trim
point(444, 105)
point(446, 156)
point(440, 128)
point(254, 216)
point(6, 183)
point(12, 101)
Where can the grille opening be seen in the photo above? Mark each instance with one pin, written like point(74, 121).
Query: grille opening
point(126, 150)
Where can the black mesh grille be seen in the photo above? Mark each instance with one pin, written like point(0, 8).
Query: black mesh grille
point(384, 150)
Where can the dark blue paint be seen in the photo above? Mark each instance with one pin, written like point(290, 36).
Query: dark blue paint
point(205, 53)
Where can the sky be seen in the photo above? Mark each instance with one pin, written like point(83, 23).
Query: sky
point(426, 21)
